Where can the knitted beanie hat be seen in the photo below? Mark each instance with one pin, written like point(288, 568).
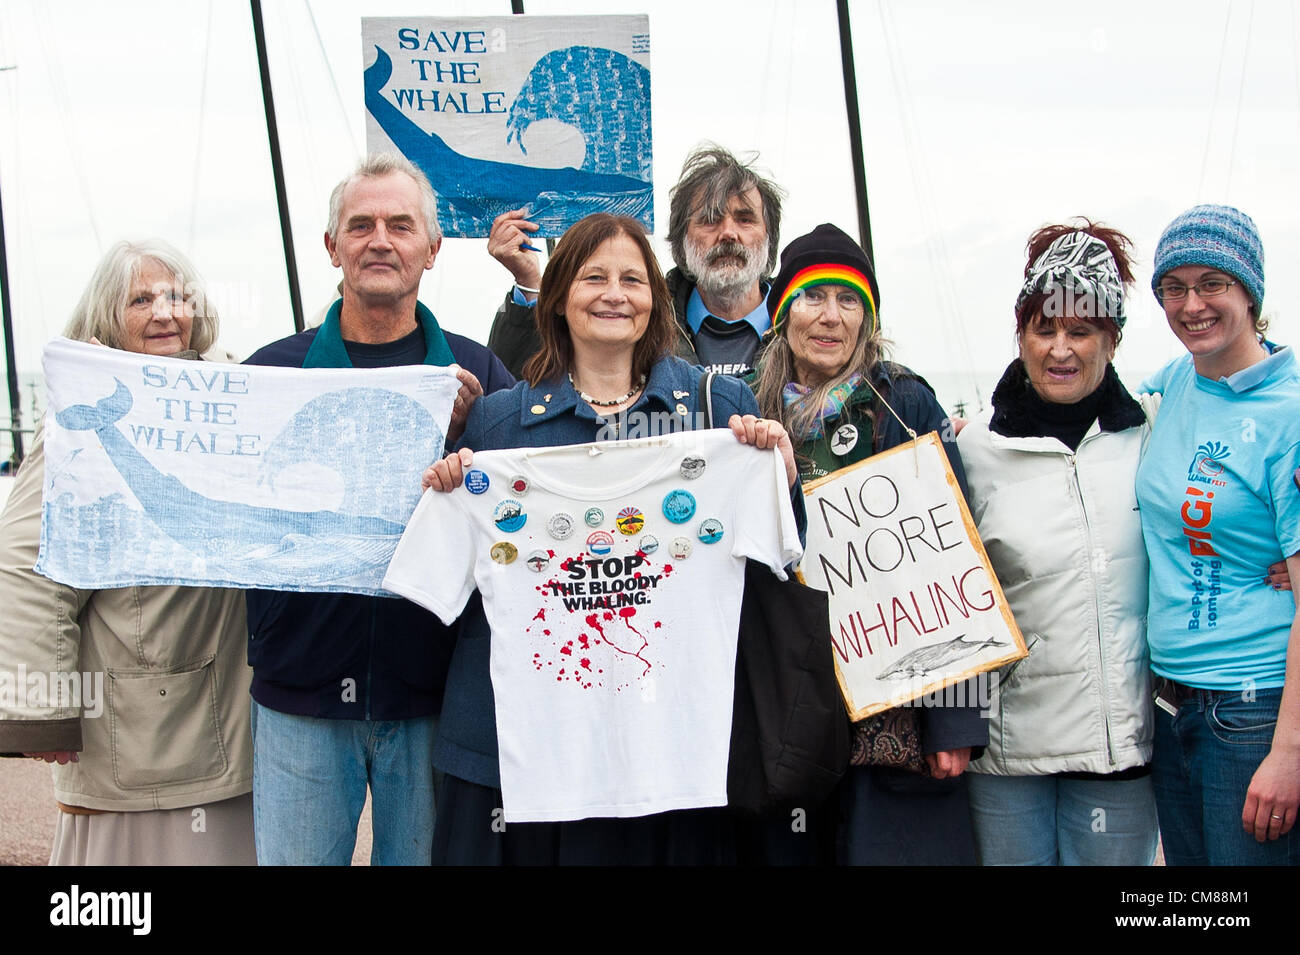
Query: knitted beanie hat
point(825, 256)
point(1219, 237)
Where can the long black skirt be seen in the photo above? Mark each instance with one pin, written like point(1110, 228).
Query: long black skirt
point(892, 817)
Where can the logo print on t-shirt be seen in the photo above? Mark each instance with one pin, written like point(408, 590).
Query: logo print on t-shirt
point(1205, 465)
point(845, 439)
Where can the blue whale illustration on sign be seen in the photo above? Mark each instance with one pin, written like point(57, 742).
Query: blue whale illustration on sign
point(250, 541)
point(602, 93)
point(472, 192)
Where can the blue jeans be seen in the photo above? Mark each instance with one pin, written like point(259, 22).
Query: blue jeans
point(1204, 760)
point(1055, 820)
point(309, 787)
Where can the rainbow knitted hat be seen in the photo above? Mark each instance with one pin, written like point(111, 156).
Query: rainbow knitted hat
point(825, 256)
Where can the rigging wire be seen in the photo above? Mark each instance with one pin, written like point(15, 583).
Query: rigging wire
point(299, 97)
point(1214, 100)
point(1295, 59)
point(198, 139)
point(334, 82)
point(1241, 90)
point(62, 110)
point(935, 246)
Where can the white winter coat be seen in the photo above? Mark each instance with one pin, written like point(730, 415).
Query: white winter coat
point(1063, 533)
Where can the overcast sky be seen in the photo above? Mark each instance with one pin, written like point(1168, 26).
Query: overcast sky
point(981, 121)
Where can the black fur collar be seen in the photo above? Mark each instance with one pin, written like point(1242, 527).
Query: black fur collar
point(1016, 408)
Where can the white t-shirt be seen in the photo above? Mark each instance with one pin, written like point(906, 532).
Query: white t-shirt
point(611, 576)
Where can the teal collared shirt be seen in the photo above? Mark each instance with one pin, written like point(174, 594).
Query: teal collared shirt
point(1249, 377)
point(328, 350)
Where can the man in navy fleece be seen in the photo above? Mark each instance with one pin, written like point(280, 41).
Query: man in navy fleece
point(347, 688)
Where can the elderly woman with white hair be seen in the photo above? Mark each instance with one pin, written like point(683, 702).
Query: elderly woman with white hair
point(152, 759)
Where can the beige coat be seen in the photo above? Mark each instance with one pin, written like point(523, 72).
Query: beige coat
point(173, 723)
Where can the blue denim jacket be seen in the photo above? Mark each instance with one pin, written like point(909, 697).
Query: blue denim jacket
point(467, 736)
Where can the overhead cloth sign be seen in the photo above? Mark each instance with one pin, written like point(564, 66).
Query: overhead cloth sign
point(914, 603)
point(548, 113)
point(164, 471)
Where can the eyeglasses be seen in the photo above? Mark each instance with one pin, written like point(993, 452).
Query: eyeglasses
point(816, 297)
point(1209, 288)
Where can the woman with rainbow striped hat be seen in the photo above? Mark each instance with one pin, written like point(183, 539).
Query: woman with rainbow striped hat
point(823, 377)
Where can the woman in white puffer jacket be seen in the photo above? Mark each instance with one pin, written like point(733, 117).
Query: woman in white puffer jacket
point(1051, 472)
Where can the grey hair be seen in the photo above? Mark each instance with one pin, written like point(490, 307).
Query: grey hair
point(777, 367)
point(101, 311)
point(710, 177)
point(381, 164)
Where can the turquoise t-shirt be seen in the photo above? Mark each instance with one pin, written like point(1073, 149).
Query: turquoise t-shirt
point(1219, 505)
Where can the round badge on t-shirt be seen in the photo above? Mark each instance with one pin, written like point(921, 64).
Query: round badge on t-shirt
point(679, 506)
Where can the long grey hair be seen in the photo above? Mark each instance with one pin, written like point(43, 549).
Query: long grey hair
point(777, 367)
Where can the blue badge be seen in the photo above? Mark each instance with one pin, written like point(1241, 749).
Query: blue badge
point(509, 516)
point(679, 506)
point(476, 481)
point(710, 531)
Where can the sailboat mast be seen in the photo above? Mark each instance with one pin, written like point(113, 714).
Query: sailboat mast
point(855, 126)
point(277, 168)
point(11, 367)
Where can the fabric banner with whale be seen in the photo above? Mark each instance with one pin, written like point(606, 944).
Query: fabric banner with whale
point(547, 113)
point(914, 603)
point(165, 471)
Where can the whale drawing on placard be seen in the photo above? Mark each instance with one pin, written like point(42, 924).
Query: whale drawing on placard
point(555, 197)
point(920, 662)
point(318, 546)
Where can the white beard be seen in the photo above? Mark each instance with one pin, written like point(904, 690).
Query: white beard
point(725, 281)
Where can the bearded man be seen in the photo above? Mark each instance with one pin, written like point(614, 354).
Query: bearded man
point(724, 224)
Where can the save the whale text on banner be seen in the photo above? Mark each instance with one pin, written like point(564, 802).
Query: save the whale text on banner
point(166, 471)
point(547, 113)
point(914, 603)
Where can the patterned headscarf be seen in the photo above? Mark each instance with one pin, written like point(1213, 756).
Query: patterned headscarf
point(1077, 272)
